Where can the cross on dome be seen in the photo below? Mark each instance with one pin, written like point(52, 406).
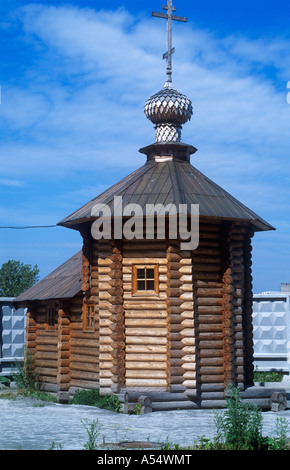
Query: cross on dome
point(170, 50)
point(168, 109)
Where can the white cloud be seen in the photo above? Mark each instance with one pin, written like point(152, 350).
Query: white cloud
point(11, 183)
point(77, 106)
point(93, 71)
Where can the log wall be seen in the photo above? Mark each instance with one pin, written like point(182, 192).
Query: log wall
point(208, 300)
point(111, 317)
point(180, 308)
point(84, 345)
point(193, 335)
point(146, 319)
point(42, 341)
point(63, 350)
point(66, 356)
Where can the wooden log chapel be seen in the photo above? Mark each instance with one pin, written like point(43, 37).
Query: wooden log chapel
point(142, 315)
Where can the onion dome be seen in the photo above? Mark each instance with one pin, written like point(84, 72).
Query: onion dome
point(168, 110)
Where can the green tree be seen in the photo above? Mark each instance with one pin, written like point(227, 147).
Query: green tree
point(17, 277)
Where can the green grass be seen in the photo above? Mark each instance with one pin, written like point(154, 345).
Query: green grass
point(93, 398)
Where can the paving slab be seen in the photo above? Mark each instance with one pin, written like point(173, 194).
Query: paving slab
point(30, 424)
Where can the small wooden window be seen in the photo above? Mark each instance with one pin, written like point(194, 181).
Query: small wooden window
point(89, 318)
point(145, 279)
point(51, 315)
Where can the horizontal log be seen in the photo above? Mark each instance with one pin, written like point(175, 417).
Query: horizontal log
point(173, 301)
point(211, 370)
point(210, 328)
point(190, 384)
point(146, 349)
point(176, 380)
point(180, 319)
point(209, 302)
point(145, 374)
point(106, 375)
point(185, 270)
point(145, 260)
point(186, 296)
point(46, 355)
point(179, 327)
point(47, 340)
point(210, 344)
point(47, 382)
point(174, 284)
point(208, 310)
point(145, 358)
point(176, 348)
point(118, 370)
point(189, 305)
point(206, 268)
point(145, 314)
point(208, 276)
point(206, 379)
point(209, 292)
point(146, 340)
point(209, 319)
point(130, 382)
point(85, 359)
point(186, 341)
point(47, 371)
point(81, 384)
point(154, 331)
point(88, 343)
point(46, 347)
point(147, 306)
point(189, 358)
point(144, 245)
point(149, 366)
point(186, 332)
point(204, 260)
point(188, 366)
point(142, 322)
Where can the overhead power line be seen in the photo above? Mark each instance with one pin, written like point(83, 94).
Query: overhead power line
point(28, 227)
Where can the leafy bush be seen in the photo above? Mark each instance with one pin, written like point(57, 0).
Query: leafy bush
point(240, 424)
point(268, 376)
point(239, 427)
point(27, 379)
point(5, 381)
point(25, 374)
point(93, 398)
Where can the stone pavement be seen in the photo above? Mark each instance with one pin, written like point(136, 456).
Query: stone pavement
point(30, 424)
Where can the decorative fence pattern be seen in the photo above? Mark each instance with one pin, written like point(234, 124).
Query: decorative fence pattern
point(12, 334)
point(271, 323)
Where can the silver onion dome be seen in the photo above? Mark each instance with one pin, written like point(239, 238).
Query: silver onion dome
point(168, 110)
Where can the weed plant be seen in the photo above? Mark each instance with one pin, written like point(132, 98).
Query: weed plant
point(93, 398)
point(239, 427)
point(93, 432)
point(27, 379)
point(25, 375)
point(268, 376)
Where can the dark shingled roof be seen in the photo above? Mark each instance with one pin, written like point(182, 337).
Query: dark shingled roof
point(64, 282)
point(176, 182)
point(172, 181)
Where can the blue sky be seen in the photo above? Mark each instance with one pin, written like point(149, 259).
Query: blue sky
point(74, 79)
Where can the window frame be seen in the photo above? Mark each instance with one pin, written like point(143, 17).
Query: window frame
point(145, 292)
point(86, 316)
point(51, 316)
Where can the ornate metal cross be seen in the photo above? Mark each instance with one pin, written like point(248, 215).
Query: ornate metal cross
point(170, 50)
